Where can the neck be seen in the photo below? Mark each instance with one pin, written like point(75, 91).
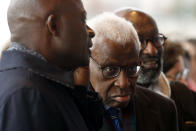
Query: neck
point(154, 84)
point(150, 84)
point(146, 85)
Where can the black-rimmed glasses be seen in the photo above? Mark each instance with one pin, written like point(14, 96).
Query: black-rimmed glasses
point(158, 41)
point(113, 71)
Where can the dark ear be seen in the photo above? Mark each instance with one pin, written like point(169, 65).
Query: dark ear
point(52, 24)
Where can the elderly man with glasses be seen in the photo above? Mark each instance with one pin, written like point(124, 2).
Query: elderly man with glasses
point(114, 68)
point(152, 43)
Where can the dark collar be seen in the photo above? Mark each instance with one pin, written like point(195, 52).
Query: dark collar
point(12, 59)
point(141, 98)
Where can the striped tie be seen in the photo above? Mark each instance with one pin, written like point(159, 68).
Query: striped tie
point(115, 116)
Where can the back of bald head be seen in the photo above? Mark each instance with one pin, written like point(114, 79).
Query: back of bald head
point(140, 20)
point(27, 18)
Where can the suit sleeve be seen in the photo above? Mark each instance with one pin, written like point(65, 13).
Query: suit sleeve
point(26, 110)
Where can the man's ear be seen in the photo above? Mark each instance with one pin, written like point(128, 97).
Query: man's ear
point(52, 24)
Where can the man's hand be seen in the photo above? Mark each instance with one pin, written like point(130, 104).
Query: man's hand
point(81, 76)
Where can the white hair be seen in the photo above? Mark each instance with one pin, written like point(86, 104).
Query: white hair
point(112, 27)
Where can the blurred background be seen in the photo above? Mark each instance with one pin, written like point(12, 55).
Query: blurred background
point(176, 17)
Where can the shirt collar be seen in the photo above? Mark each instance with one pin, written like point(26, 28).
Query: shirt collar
point(22, 48)
point(18, 56)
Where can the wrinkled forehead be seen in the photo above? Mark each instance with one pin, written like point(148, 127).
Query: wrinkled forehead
point(110, 52)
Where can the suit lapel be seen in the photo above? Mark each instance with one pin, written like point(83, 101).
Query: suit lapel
point(107, 124)
point(146, 113)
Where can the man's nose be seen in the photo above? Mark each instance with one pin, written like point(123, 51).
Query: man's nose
point(122, 80)
point(150, 49)
point(91, 33)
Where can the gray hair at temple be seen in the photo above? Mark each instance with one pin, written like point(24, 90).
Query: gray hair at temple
point(112, 27)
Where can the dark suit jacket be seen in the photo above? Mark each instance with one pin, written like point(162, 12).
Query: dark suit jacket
point(153, 113)
point(37, 96)
point(185, 100)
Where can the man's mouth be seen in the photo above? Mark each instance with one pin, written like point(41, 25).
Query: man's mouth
point(122, 98)
point(150, 63)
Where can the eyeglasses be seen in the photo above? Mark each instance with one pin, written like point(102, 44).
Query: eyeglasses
point(158, 41)
point(109, 72)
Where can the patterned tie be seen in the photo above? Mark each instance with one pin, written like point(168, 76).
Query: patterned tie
point(115, 116)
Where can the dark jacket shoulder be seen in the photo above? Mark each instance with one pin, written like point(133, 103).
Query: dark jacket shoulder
point(185, 100)
point(154, 112)
point(35, 95)
point(153, 97)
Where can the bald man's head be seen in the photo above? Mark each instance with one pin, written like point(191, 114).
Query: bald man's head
point(54, 28)
point(151, 42)
point(21, 12)
point(143, 23)
point(30, 16)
